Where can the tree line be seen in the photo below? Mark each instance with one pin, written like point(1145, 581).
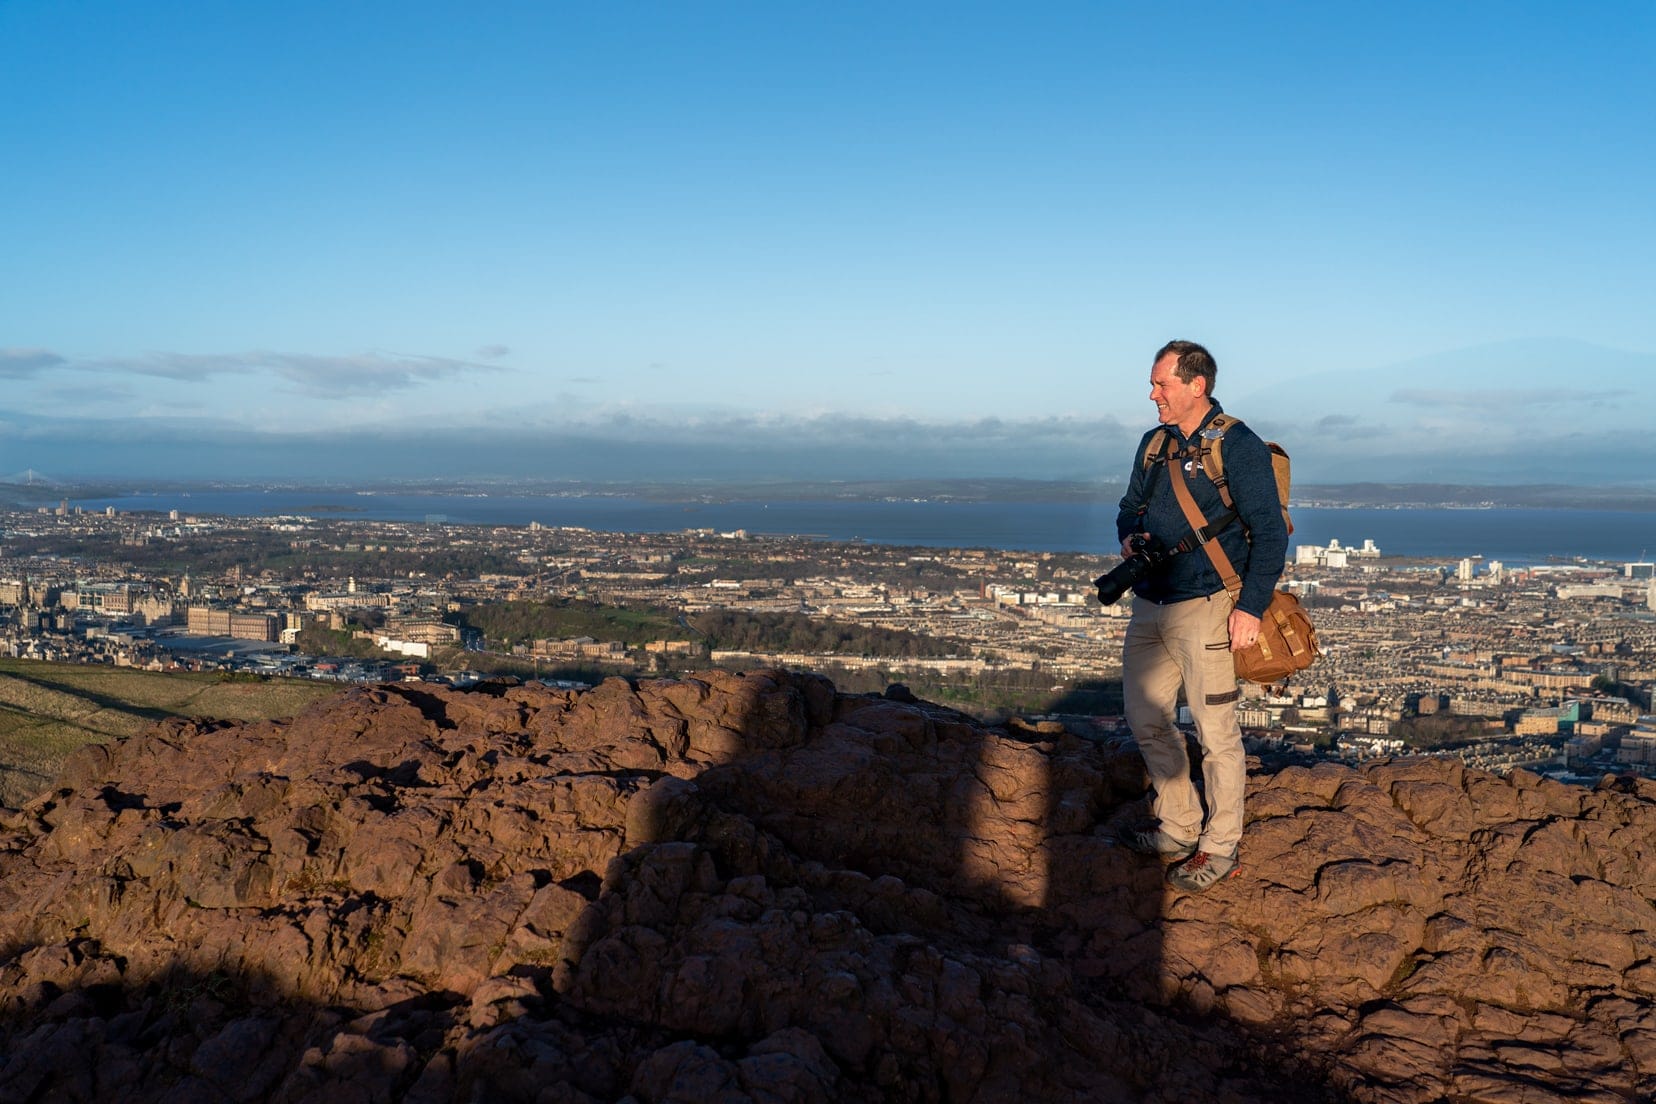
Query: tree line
point(744, 631)
point(519, 622)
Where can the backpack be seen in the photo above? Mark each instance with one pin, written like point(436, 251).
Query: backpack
point(1287, 640)
point(1212, 458)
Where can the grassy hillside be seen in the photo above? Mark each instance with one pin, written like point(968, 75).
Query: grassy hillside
point(47, 710)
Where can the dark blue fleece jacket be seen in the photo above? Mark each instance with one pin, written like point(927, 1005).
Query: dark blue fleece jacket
point(1257, 542)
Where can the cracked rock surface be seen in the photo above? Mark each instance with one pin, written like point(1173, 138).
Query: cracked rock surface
point(750, 887)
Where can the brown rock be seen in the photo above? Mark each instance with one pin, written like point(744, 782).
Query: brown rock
point(748, 887)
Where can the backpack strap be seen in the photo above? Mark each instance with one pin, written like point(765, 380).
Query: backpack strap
point(1206, 449)
point(1155, 448)
point(1212, 456)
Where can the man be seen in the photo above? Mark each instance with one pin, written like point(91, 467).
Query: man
point(1184, 626)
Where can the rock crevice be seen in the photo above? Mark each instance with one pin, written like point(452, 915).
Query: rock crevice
point(754, 888)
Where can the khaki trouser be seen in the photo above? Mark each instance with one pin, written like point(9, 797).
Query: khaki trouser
point(1187, 643)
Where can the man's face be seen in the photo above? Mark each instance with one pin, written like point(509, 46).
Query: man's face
point(1177, 402)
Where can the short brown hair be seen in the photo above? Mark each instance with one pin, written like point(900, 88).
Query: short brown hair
point(1193, 361)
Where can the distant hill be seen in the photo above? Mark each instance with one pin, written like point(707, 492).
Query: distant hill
point(1552, 496)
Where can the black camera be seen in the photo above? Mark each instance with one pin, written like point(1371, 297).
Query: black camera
point(1148, 553)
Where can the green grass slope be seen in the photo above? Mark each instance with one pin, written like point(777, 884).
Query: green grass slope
point(47, 710)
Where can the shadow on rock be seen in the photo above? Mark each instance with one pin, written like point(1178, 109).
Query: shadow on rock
point(753, 888)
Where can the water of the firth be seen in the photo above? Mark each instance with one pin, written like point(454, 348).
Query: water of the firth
point(1514, 536)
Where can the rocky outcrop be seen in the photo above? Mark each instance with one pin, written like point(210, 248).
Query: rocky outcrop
point(753, 888)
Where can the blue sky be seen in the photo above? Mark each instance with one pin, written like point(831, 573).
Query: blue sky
point(781, 239)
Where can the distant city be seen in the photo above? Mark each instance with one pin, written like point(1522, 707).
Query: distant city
point(1549, 667)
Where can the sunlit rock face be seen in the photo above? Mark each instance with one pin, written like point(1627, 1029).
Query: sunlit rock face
point(753, 888)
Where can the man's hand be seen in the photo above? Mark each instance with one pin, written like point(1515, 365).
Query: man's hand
point(1244, 629)
point(1127, 545)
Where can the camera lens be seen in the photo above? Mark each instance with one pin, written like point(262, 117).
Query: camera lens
point(1121, 578)
point(1147, 553)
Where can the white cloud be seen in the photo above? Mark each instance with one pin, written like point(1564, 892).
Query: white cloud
point(317, 376)
point(21, 363)
point(366, 374)
point(1103, 442)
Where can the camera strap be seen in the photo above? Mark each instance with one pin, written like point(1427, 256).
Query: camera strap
point(1203, 531)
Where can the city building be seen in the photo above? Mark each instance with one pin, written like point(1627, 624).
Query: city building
point(207, 621)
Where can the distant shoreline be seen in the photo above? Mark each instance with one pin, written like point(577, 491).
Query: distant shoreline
point(1318, 496)
point(1512, 534)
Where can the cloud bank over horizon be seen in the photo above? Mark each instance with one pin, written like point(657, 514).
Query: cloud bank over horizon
point(600, 445)
point(313, 376)
point(1501, 413)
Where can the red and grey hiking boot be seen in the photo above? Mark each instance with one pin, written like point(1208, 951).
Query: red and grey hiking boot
point(1202, 870)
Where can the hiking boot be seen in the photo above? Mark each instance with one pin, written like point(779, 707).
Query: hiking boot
point(1202, 870)
point(1154, 841)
